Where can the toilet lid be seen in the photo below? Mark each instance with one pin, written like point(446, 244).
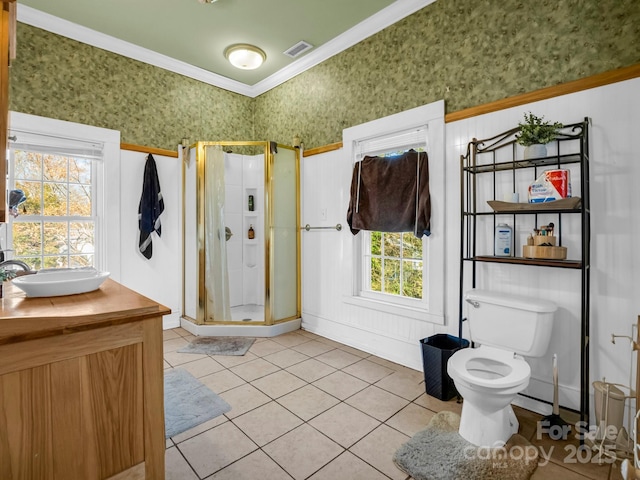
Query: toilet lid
point(489, 367)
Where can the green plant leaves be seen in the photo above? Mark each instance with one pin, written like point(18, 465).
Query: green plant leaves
point(535, 130)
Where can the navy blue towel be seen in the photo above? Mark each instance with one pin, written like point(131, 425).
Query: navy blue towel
point(150, 208)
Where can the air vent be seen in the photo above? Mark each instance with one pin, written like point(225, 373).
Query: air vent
point(298, 49)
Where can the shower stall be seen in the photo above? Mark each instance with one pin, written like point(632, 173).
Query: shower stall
point(241, 229)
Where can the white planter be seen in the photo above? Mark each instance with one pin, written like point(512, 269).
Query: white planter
point(536, 150)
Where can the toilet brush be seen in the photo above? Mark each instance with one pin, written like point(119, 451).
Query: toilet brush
point(554, 420)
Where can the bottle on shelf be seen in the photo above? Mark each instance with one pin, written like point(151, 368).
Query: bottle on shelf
point(251, 234)
point(503, 245)
point(251, 203)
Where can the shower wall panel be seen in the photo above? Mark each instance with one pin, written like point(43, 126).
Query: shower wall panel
point(253, 251)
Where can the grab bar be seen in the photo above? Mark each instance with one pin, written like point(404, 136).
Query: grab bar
point(308, 227)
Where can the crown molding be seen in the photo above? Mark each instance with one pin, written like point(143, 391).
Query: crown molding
point(59, 26)
point(368, 27)
point(379, 21)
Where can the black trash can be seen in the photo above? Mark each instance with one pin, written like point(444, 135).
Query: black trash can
point(436, 351)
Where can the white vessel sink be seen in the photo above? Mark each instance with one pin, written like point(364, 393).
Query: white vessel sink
point(54, 283)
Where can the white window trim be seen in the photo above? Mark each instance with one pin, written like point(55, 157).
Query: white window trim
point(107, 187)
point(431, 115)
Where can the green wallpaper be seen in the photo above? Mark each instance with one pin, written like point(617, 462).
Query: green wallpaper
point(468, 52)
point(56, 77)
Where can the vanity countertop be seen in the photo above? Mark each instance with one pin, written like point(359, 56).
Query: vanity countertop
point(23, 318)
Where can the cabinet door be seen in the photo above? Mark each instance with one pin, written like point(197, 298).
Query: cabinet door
point(25, 424)
point(72, 419)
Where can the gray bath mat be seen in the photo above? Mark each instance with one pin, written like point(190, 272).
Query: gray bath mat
point(440, 453)
point(188, 402)
point(219, 345)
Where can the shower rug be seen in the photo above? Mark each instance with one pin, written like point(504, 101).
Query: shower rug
point(188, 402)
point(440, 453)
point(219, 345)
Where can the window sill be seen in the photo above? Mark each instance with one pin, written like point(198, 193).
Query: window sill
point(421, 314)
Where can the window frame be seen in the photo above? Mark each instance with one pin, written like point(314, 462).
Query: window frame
point(431, 308)
point(108, 236)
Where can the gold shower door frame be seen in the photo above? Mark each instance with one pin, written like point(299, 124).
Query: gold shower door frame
point(268, 226)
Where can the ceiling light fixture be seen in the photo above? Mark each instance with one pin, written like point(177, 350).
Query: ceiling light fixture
point(244, 56)
point(207, 1)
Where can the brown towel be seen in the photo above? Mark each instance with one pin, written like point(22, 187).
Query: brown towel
point(391, 194)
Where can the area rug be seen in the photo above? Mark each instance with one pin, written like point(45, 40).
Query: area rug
point(440, 453)
point(188, 402)
point(219, 345)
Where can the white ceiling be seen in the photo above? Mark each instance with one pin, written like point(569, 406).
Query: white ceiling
point(189, 37)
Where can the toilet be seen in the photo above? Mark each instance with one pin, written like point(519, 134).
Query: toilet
point(507, 328)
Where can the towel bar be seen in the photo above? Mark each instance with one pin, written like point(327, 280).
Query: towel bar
point(308, 227)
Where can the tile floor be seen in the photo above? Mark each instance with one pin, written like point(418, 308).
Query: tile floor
point(305, 407)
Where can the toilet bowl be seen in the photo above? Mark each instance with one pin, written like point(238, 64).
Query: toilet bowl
point(508, 328)
point(488, 379)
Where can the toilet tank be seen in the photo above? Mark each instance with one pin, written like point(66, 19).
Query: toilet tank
point(514, 323)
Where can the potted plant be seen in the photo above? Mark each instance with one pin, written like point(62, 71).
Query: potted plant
point(535, 133)
point(4, 276)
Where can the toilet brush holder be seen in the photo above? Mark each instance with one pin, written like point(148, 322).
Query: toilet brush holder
point(553, 425)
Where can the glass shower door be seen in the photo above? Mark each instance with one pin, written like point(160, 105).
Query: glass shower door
point(284, 261)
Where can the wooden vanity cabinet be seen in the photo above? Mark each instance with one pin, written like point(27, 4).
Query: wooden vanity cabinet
point(81, 386)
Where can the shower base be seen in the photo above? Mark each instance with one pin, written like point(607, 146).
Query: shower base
point(241, 330)
point(248, 313)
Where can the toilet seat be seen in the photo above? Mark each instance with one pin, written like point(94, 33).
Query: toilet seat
point(473, 365)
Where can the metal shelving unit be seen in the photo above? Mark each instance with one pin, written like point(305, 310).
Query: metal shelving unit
point(498, 156)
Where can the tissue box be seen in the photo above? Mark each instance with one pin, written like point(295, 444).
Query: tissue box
point(549, 186)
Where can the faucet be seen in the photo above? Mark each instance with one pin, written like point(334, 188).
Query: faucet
point(18, 263)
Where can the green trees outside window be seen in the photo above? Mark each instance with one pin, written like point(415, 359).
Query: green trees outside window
point(396, 264)
point(56, 225)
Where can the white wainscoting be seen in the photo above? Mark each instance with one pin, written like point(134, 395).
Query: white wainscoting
point(160, 277)
point(326, 181)
point(615, 271)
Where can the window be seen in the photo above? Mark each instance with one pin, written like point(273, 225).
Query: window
point(399, 273)
point(71, 230)
point(57, 222)
point(393, 264)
